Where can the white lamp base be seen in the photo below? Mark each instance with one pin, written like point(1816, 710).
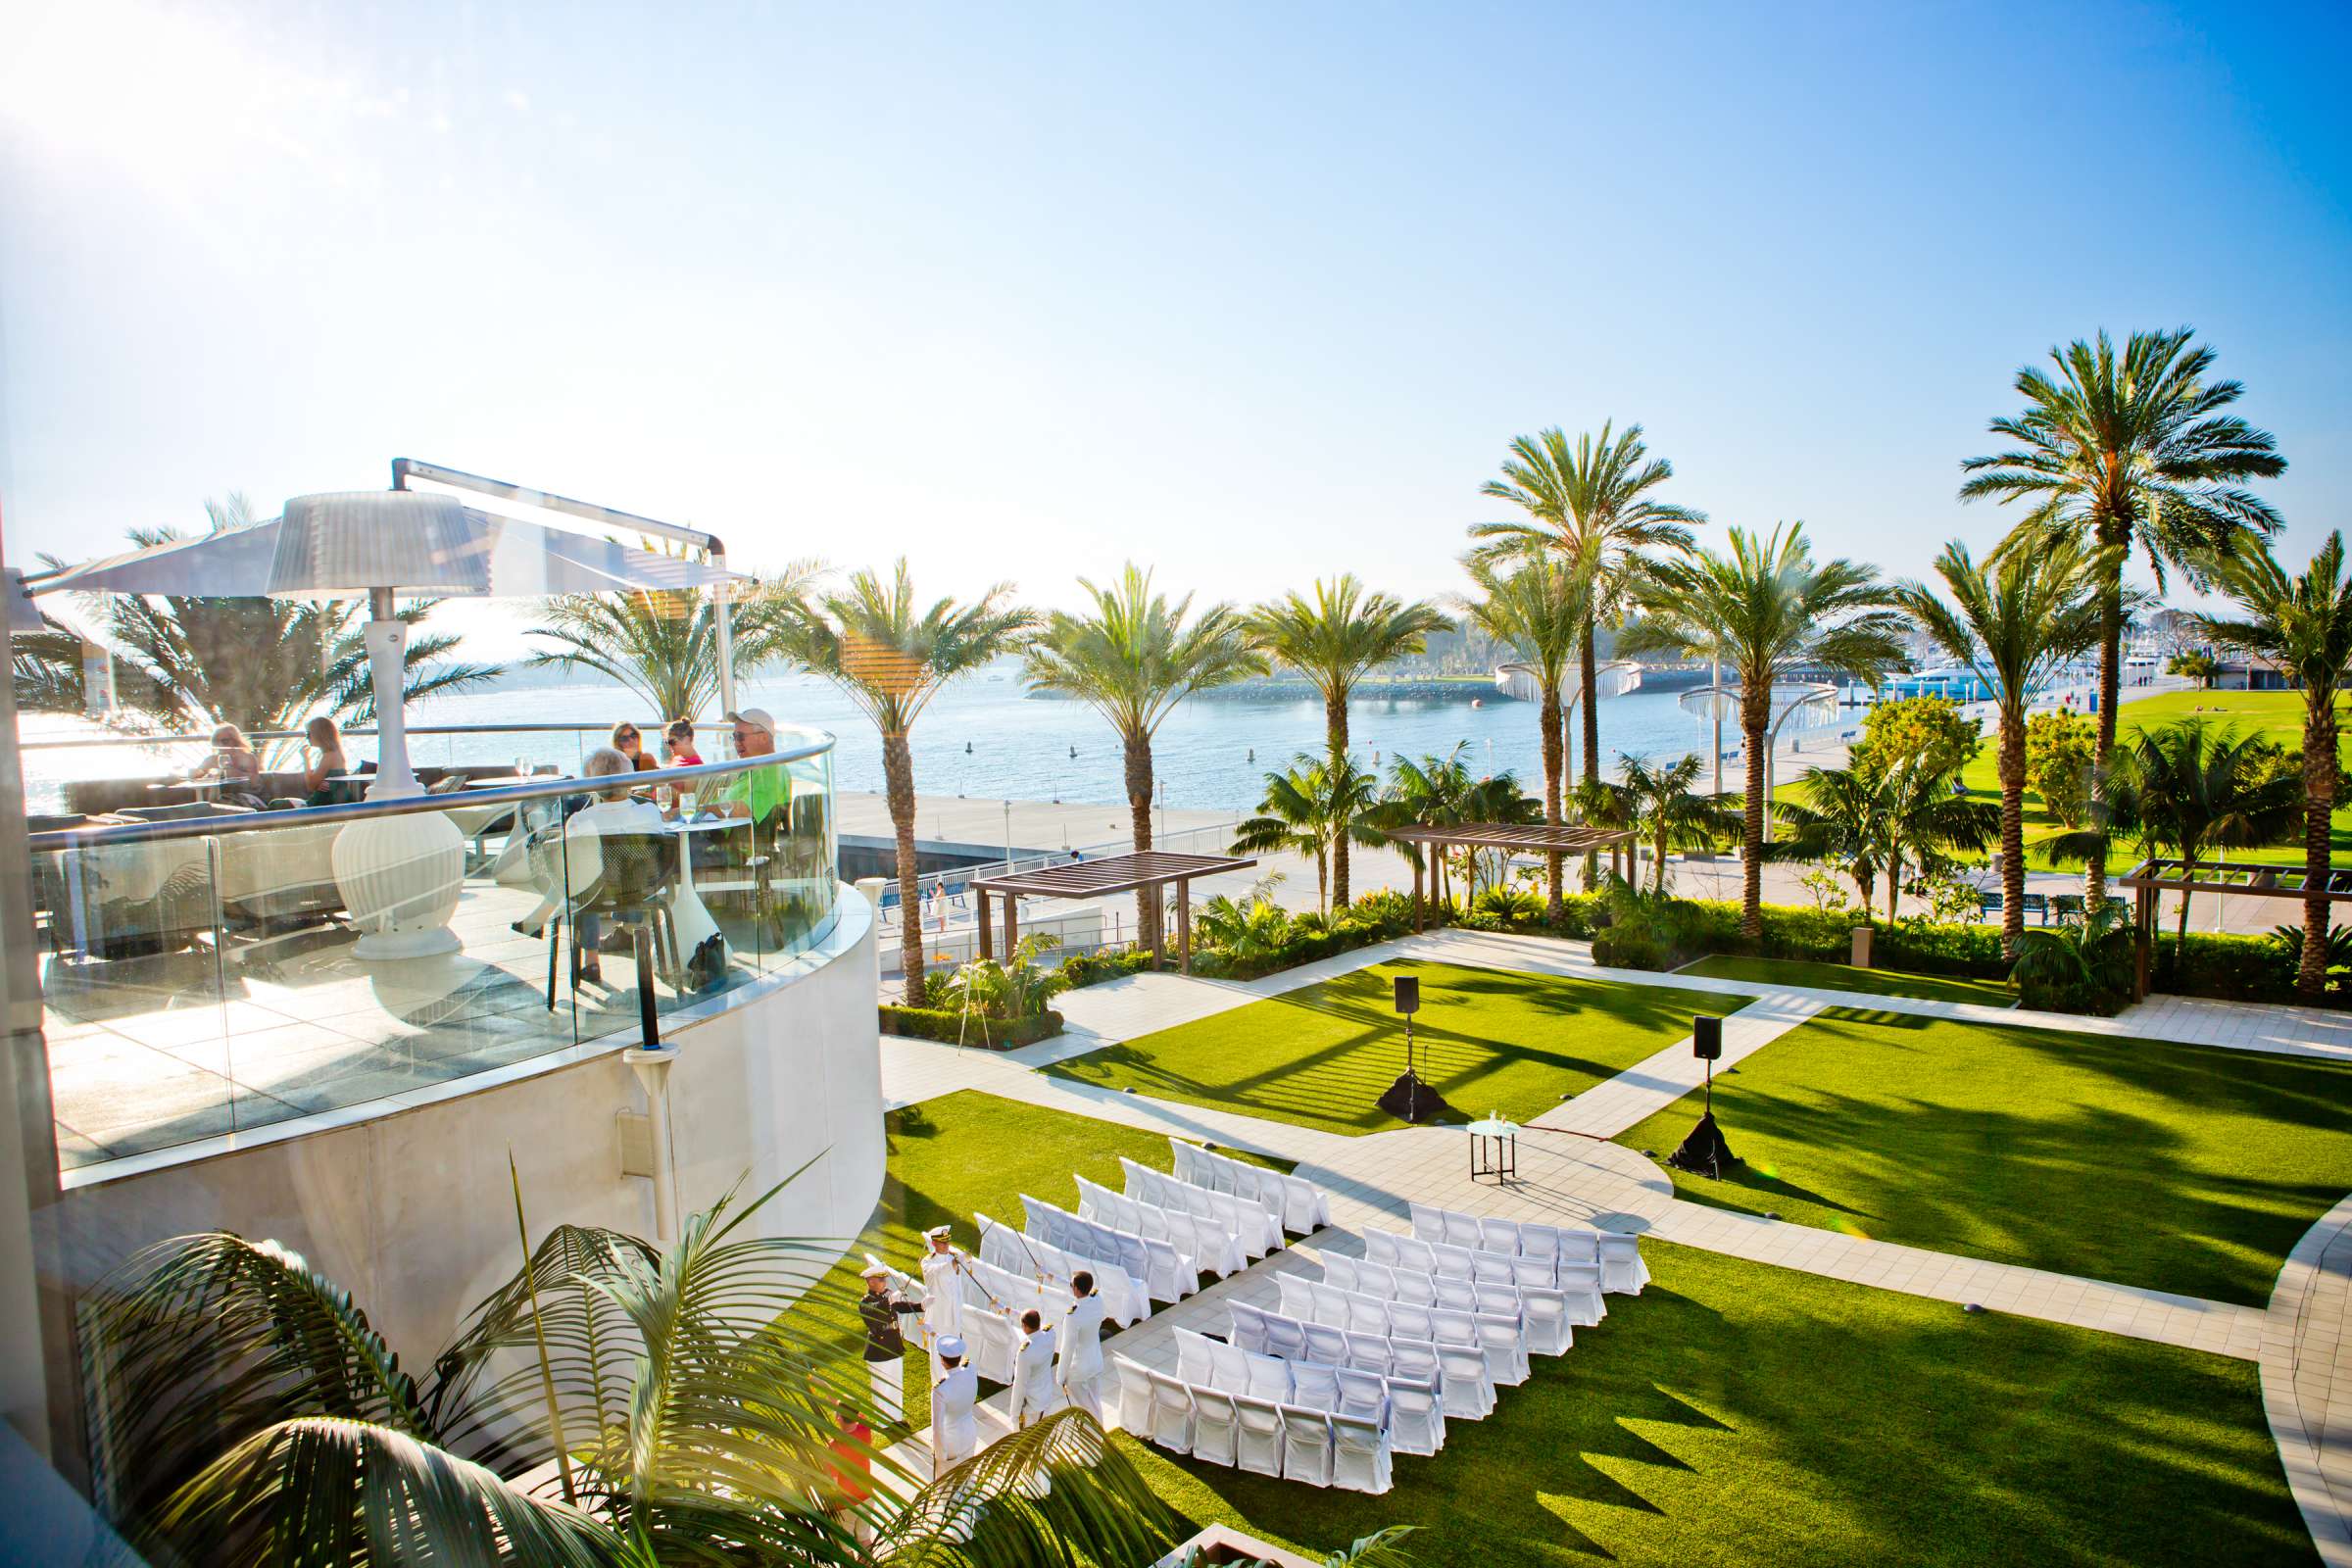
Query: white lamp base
point(400, 878)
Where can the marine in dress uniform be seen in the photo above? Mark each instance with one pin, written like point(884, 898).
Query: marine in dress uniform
point(879, 1310)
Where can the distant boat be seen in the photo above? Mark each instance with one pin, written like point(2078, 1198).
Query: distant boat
point(1478, 702)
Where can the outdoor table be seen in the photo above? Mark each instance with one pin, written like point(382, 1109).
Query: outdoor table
point(1494, 1149)
point(690, 917)
point(199, 785)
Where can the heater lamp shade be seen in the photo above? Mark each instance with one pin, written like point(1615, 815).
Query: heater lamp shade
point(1408, 994)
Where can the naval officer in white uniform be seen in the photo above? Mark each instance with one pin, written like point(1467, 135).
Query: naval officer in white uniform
point(1036, 1393)
point(943, 1288)
point(954, 1397)
point(1079, 1367)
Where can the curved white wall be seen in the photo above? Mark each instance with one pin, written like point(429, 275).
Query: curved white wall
point(412, 1209)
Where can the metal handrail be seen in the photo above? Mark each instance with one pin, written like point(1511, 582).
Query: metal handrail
point(654, 726)
point(88, 838)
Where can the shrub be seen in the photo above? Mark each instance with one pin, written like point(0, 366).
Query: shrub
point(973, 1029)
point(1108, 964)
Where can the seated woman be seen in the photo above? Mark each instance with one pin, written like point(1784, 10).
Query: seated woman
point(237, 766)
point(631, 745)
point(677, 744)
point(326, 765)
point(611, 813)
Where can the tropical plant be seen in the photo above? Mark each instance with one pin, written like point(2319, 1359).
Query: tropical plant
point(2196, 664)
point(1592, 503)
point(662, 644)
point(890, 655)
point(1661, 804)
point(612, 1404)
point(1017, 988)
point(2125, 452)
point(1133, 659)
point(1765, 607)
point(1316, 808)
point(1247, 928)
point(258, 662)
point(1882, 820)
point(1335, 639)
point(2013, 623)
point(2336, 946)
point(2079, 965)
point(2303, 625)
point(1384, 1550)
point(2060, 749)
point(2188, 789)
point(1541, 612)
point(1924, 729)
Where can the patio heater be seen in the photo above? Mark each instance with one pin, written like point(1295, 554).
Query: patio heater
point(1704, 1152)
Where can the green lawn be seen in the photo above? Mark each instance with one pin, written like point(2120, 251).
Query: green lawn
point(959, 1153)
point(1736, 1414)
point(2183, 1169)
point(1320, 1056)
point(1846, 977)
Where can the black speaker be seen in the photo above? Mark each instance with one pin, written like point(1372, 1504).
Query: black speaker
point(1408, 993)
point(1706, 1038)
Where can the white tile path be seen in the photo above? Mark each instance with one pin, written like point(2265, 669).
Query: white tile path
point(1568, 1170)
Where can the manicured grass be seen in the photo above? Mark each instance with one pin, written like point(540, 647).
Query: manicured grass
point(2184, 1168)
point(1736, 1414)
point(959, 1153)
point(1320, 1056)
point(1846, 977)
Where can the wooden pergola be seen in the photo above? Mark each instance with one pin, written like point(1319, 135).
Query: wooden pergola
point(1517, 838)
point(1100, 879)
point(2151, 879)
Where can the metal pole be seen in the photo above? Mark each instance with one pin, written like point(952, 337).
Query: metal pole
point(722, 596)
point(1008, 838)
point(1715, 685)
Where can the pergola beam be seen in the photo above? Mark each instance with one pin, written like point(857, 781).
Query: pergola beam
point(1151, 869)
point(1519, 838)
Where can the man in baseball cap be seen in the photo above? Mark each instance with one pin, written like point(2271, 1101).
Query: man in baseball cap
point(757, 793)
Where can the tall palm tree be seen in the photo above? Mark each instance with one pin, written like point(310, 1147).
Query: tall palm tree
point(2013, 622)
point(1766, 608)
point(890, 655)
point(2193, 789)
point(247, 1411)
point(1662, 806)
point(1541, 611)
point(1593, 503)
point(1335, 639)
point(1317, 807)
point(1430, 791)
point(1133, 659)
point(2127, 451)
point(662, 644)
point(2303, 624)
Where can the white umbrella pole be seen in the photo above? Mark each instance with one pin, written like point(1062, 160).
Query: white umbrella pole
point(387, 638)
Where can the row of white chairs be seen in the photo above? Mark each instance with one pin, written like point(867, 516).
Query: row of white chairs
point(1125, 1302)
point(1168, 1274)
point(1543, 1313)
point(1245, 1218)
point(1579, 1283)
point(1465, 1386)
point(1414, 1412)
point(1500, 1339)
point(1287, 1440)
point(1213, 1250)
point(1302, 1206)
point(1622, 1271)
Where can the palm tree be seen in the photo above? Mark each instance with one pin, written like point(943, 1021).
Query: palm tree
point(1334, 640)
point(1765, 608)
point(1541, 611)
point(1430, 791)
point(1881, 818)
point(1316, 808)
point(1134, 659)
point(1840, 820)
point(2127, 452)
point(2077, 965)
point(1593, 503)
point(2303, 624)
point(1661, 804)
point(890, 655)
point(662, 644)
point(2013, 622)
point(2188, 787)
point(612, 1404)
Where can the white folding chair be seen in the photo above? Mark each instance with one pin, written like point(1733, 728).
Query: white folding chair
point(1452, 1326)
point(1171, 1413)
point(1429, 1222)
point(1408, 1320)
point(1258, 1437)
point(1456, 1295)
point(1448, 1261)
point(1315, 1387)
point(1622, 1270)
point(1135, 1397)
point(1416, 1420)
point(1305, 1445)
point(1544, 1315)
point(1505, 1346)
point(1286, 1336)
point(1543, 1271)
point(1367, 1314)
point(1215, 1427)
point(1580, 1283)
point(1413, 1361)
point(1343, 1271)
point(1305, 1207)
point(1494, 1268)
point(1416, 1286)
point(1369, 1352)
point(1325, 1342)
point(1467, 1386)
point(1248, 1329)
point(1461, 1230)
point(1497, 1301)
point(1269, 1379)
point(1377, 1279)
point(1380, 1246)
point(1359, 1458)
point(1194, 1363)
point(1498, 1236)
point(1362, 1394)
point(1229, 1367)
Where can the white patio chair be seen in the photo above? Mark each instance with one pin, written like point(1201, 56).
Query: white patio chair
point(1286, 1336)
point(1269, 1379)
point(1364, 1395)
point(1543, 1271)
point(1544, 1315)
point(1359, 1458)
point(1194, 1364)
point(1498, 1236)
point(1408, 1320)
point(1457, 1295)
point(1171, 1413)
point(1258, 1437)
point(1325, 1343)
point(1461, 1230)
point(1416, 1417)
point(1305, 1445)
point(1135, 1397)
point(1468, 1385)
point(1505, 1344)
point(1229, 1367)
point(1315, 1387)
point(1429, 1222)
point(1215, 1428)
point(1369, 1352)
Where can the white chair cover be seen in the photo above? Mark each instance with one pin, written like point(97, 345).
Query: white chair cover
point(1452, 1326)
point(1544, 1314)
point(1124, 1299)
point(1248, 1329)
point(1580, 1283)
point(1298, 1297)
point(1211, 1248)
point(1164, 1273)
point(1416, 1286)
point(1315, 1387)
point(1496, 1301)
point(1269, 1190)
point(1429, 1222)
point(1498, 1268)
point(1194, 1363)
point(1305, 1445)
point(1448, 1261)
point(1529, 1270)
point(1346, 1272)
point(1540, 1242)
point(1305, 1206)
point(1269, 1379)
point(1229, 1367)
point(1325, 1343)
point(1258, 1437)
point(1286, 1336)
point(1505, 1344)
point(1409, 1320)
point(1461, 1230)
point(993, 1341)
point(1416, 1418)
point(1380, 1246)
point(1171, 1413)
point(1135, 1395)
point(1359, 1455)
point(1458, 1295)
point(1363, 1396)
point(1257, 1232)
point(1467, 1381)
point(1500, 1236)
point(1369, 1352)
point(1215, 1428)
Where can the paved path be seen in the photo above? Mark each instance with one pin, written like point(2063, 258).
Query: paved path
point(2307, 1380)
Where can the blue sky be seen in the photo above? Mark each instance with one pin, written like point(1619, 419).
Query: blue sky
point(1248, 293)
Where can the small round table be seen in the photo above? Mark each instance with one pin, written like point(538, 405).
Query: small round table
point(690, 917)
point(1494, 1149)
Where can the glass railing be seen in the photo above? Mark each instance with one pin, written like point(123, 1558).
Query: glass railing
point(209, 969)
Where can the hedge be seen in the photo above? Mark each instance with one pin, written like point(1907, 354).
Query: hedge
point(958, 1028)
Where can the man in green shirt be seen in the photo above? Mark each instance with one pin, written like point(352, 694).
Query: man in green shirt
point(757, 793)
